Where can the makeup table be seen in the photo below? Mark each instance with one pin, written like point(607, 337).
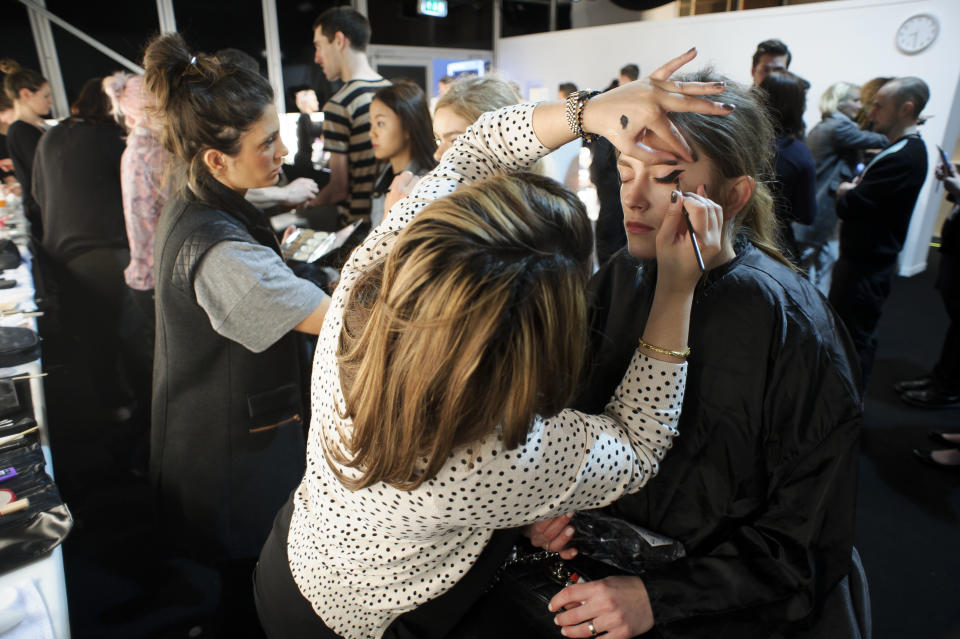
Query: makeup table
point(33, 597)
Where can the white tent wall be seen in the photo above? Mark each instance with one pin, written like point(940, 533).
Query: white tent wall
point(850, 40)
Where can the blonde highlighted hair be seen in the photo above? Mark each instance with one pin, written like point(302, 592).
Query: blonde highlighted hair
point(476, 320)
point(835, 95)
point(471, 97)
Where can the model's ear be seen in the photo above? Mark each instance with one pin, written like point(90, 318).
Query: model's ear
point(340, 41)
point(215, 161)
point(25, 94)
point(738, 194)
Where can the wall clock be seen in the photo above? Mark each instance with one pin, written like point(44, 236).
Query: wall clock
point(917, 33)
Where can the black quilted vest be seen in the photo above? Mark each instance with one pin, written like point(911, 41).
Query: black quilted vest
point(227, 438)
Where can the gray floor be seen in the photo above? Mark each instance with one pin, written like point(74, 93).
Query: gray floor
point(908, 515)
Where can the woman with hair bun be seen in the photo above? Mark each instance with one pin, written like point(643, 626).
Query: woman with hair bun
point(30, 93)
point(6, 119)
point(227, 435)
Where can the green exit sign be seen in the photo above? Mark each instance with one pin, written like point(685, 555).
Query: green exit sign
point(435, 8)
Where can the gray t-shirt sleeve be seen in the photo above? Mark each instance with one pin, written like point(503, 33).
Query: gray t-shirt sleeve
point(250, 295)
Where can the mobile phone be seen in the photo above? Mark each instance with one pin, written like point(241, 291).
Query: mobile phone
point(946, 161)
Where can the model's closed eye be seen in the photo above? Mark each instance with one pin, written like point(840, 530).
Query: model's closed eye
point(670, 177)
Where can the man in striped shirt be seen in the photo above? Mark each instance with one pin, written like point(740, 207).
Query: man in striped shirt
point(340, 36)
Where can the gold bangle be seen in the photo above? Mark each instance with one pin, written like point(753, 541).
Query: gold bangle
point(574, 112)
point(663, 351)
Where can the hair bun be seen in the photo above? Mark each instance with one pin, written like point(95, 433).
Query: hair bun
point(8, 66)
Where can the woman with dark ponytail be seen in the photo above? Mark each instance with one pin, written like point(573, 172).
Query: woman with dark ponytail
point(227, 439)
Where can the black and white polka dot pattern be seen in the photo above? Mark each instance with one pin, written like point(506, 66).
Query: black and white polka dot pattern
point(364, 557)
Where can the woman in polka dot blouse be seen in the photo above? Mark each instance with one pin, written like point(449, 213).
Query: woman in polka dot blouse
point(452, 343)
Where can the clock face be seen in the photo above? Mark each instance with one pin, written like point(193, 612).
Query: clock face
point(917, 33)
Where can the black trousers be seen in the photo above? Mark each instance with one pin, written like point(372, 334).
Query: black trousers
point(857, 293)
point(94, 295)
point(946, 372)
point(286, 614)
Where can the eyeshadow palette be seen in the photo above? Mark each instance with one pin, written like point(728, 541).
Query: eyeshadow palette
point(307, 245)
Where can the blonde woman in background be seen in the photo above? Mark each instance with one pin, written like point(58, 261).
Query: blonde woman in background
point(837, 145)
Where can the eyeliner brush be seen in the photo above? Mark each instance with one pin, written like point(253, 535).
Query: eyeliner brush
point(693, 237)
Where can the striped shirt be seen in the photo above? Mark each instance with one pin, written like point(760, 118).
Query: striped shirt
point(346, 129)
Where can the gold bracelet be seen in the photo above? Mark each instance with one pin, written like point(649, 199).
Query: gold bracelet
point(663, 351)
point(574, 112)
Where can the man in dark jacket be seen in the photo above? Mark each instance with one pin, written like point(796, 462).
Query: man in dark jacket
point(876, 210)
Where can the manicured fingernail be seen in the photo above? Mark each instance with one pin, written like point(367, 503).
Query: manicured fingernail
point(573, 553)
point(721, 84)
point(728, 106)
point(673, 196)
point(691, 49)
point(550, 607)
point(556, 620)
point(568, 531)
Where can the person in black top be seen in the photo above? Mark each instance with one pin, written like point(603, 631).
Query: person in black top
point(608, 232)
point(307, 130)
point(76, 183)
point(228, 411)
point(941, 387)
point(837, 144)
point(760, 484)
point(32, 100)
point(875, 210)
point(795, 189)
point(6, 119)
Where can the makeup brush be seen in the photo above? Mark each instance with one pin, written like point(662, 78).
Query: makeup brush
point(693, 237)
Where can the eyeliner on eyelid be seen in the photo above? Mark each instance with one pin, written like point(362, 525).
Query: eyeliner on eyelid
point(671, 177)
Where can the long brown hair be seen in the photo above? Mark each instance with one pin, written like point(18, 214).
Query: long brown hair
point(786, 100)
point(202, 103)
point(475, 320)
point(738, 144)
point(93, 104)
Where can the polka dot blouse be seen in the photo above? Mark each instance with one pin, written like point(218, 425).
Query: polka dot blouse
point(364, 557)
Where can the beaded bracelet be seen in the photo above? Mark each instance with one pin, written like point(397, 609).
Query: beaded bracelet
point(574, 111)
point(663, 351)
